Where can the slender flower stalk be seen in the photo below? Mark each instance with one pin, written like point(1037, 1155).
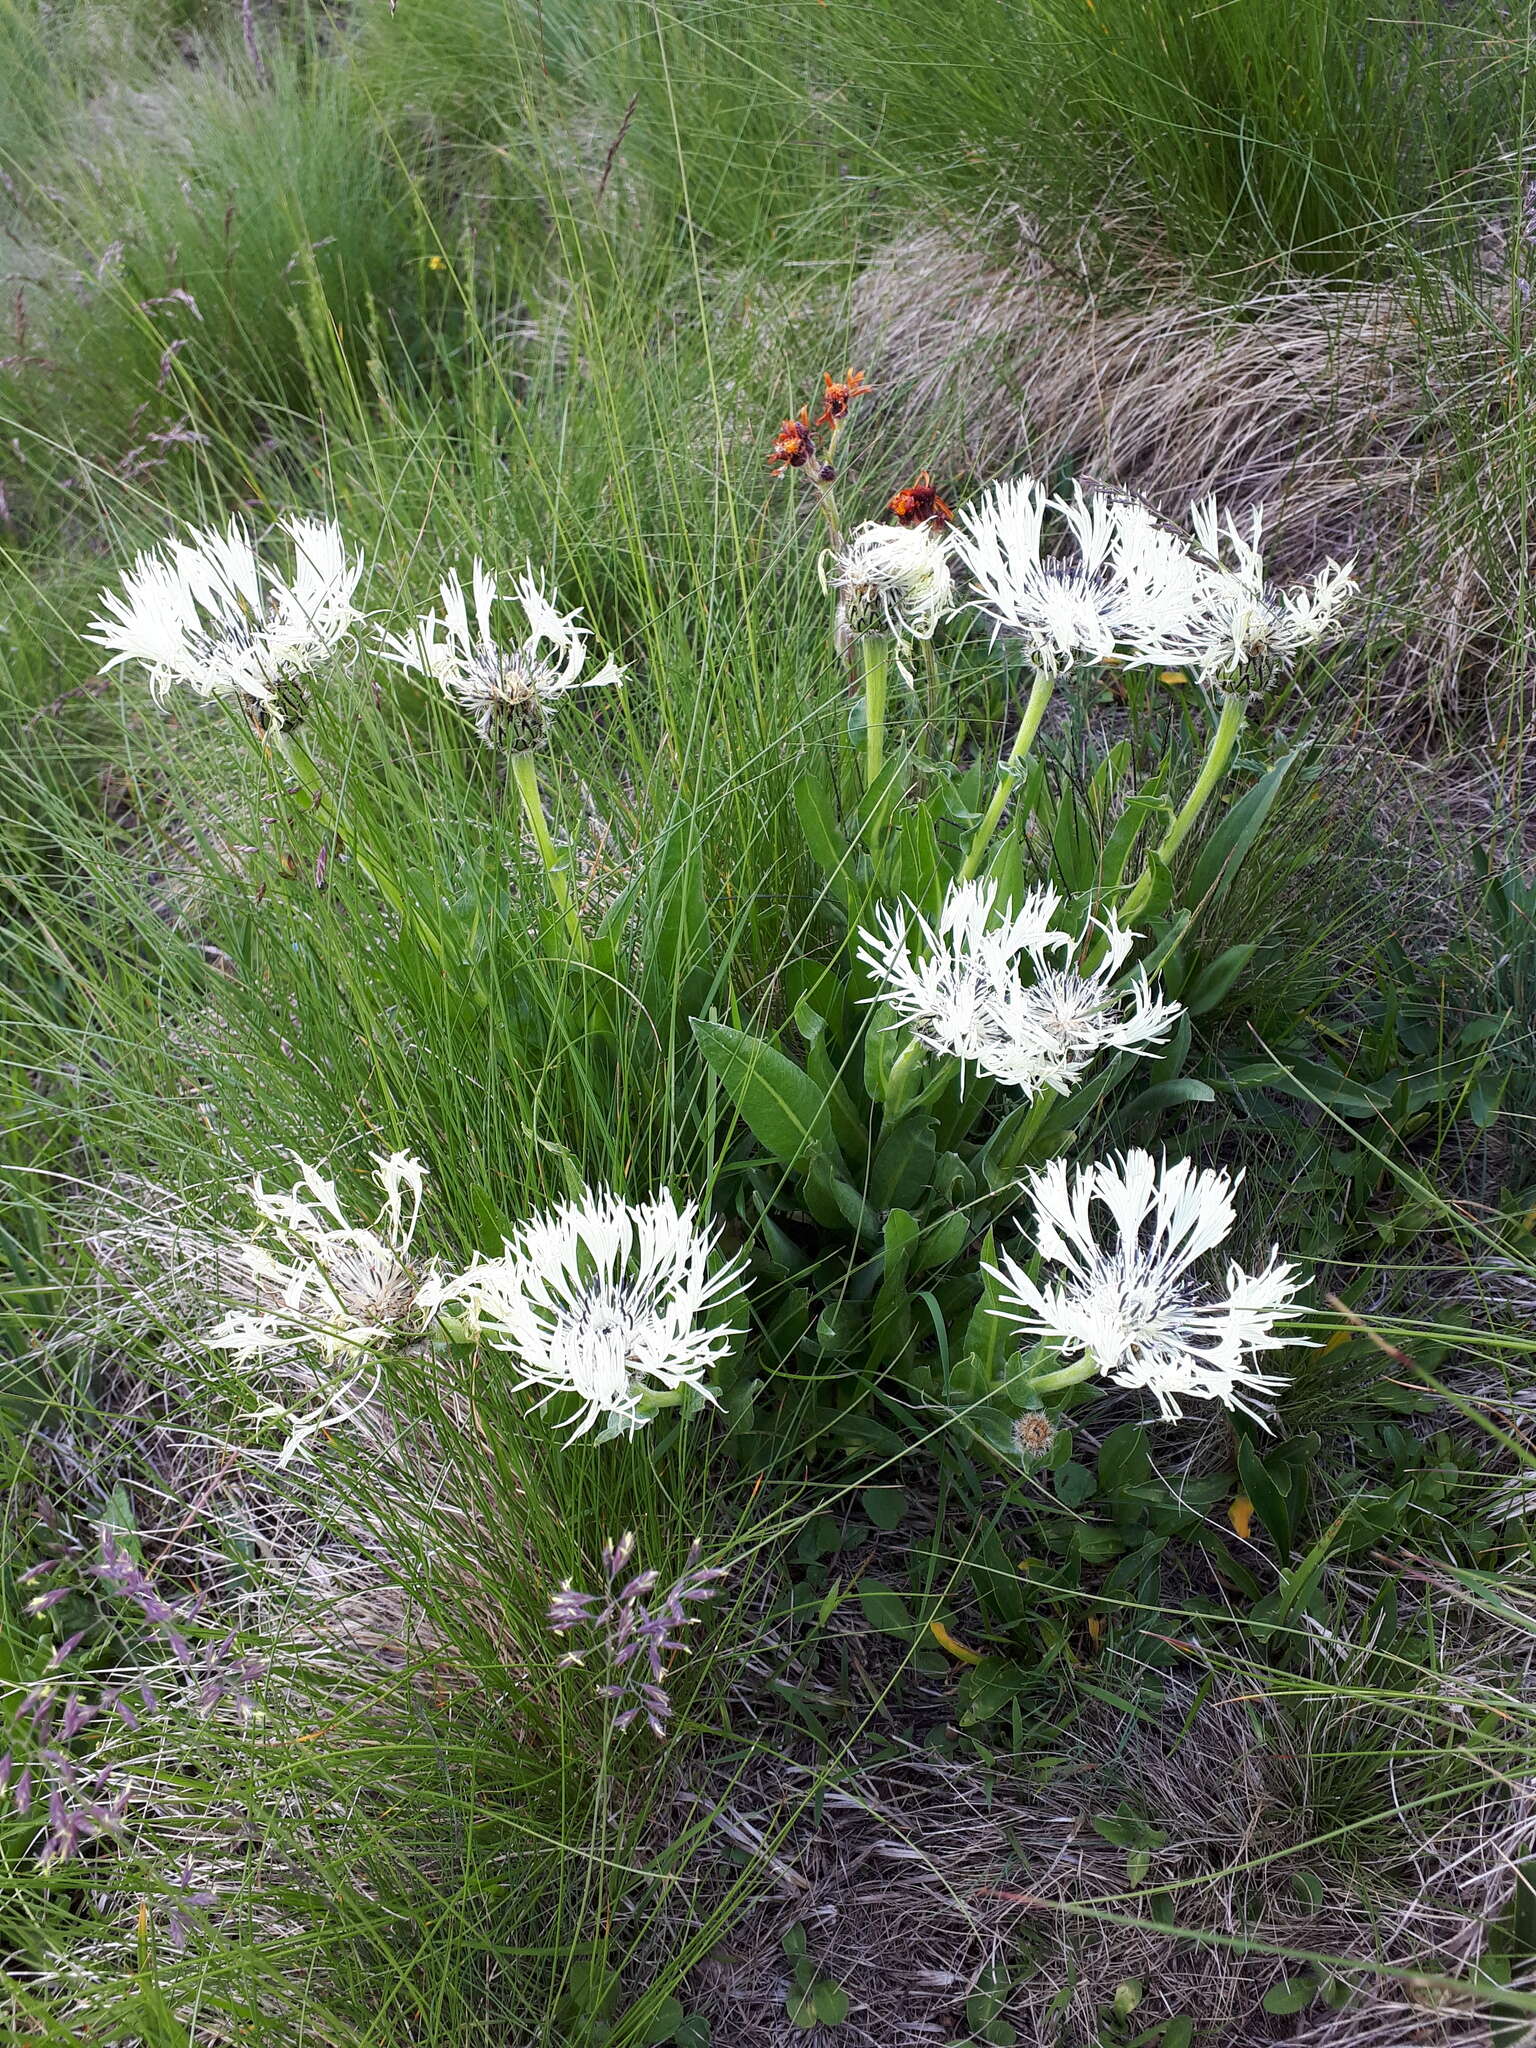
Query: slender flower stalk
point(510, 691)
point(607, 1301)
point(1040, 696)
point(1128, 1302)
point(525, 777)
point(876, 656)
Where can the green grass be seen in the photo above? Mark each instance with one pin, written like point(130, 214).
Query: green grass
point(537, 284)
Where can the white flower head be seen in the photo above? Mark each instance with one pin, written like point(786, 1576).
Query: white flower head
point(1126, 589)
point(208, 615)
point(1245, 618)
point(607, 1301)
point(328, 1283)
point(508, 690)
point(1128, 1298)
point(947, 989)
point(893, 580)
point(1047, 1031)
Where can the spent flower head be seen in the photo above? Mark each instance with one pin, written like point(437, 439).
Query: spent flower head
point(794, 445)
point(607, 1301)
point(839, 395)
point(508, 690)
point(1125, 590)
point(206, 614)
point(919, 504)
point(1244, 618)
point(1129, 1298)
point(325, 1282)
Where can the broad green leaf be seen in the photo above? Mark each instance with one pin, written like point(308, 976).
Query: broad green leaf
point(1214, 981)
point(1291, 1994)
point(885, 1610)
point(779, 1103)
point(1233, 839)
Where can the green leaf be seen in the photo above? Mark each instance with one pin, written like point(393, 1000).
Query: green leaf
point(903, 1164)
point(1270, 1491)
point(885, 1610)
point(1290, 1995)
point(943, 1241)
point(1232, 841)
point(1124, 1460)
point(781, 1106)
point(1211, 985)
point(663, 2026)
point(1074, 1485)
point(830, 2001)
point(1166, 1095)
point(819, 822)
point(884, 1506)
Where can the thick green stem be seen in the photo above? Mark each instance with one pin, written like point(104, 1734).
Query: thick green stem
point(526, 775)
point(1218, 757)
point(1018, 753)
point(1219, 753)
point(876, 655)
point(932, 691)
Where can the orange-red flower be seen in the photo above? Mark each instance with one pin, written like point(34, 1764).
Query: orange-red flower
point(919, 504)
point(837, 398)
point(794, 445)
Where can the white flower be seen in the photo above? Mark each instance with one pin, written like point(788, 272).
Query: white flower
point(324, 1281)
point(508, 691)
point(1046, 1033)
point(605, 1300)
point(949, 992)
point(206, 613)
point(894, 580)
point(1131, 1305)
point(1127, 591)
point(1244, 617)
point(991, 995)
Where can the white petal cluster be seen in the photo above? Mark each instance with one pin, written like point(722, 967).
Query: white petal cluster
point(1128, 1299)
point(947, 989)
point(1245, 618)
point(604, 1300)
point(208, 615)
point(1126, 588)
point(328, 1283)
point(894, 580)
point(1049, 1030)
point(1003, 994)
point(509, 691)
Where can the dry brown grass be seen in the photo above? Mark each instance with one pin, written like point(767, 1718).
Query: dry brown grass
point(1377, 424)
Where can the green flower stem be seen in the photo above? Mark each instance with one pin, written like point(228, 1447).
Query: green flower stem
point(526, 775)
point(933, 695)
point(876, 655)
point(1064, 1376)
point(1018, 753)
point(296, 756)
point(1218, 758)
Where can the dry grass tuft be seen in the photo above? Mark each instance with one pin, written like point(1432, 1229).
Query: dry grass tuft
point(1372, 423)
